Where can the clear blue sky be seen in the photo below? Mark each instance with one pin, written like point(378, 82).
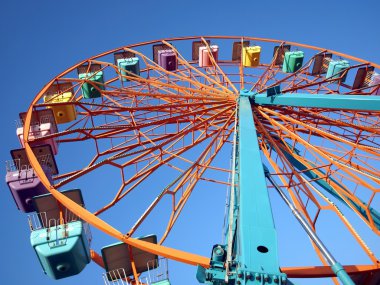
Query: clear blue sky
point(39, 39)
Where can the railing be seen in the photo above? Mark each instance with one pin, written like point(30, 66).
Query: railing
point(39, 221)
point(55, 226)
point(14, 165)
point(42, 120)
point(118, 277)
point(158, 270)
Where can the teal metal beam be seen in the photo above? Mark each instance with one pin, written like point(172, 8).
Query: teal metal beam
point(233, 207)
point(257, 237)
point(250, 255)
point(337, 268)
point(331, 101)
point(313, 175)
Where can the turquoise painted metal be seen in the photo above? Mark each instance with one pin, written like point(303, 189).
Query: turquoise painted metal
point(254, 243)
point(258, 257)
point(342, 274)
point(318, 179)
point(337, 268)
point(62, 250)
point(337, 101)
point(255, 255)
point(292, 61)
point(128, 67)
point(274, 90)
point(162, 282)
point(336, 68)
point(88, 88)
point(217, 272)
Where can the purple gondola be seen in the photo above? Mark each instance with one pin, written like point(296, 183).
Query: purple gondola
point(22, 179)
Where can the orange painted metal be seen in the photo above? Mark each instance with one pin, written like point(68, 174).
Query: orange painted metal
point(298, 202)
point(345, 194)
point(97, 222)
point(97, 258)
point(325, 271)
point(201, 105)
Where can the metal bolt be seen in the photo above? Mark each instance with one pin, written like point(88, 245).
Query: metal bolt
point(266, 277)
point(248, 275)
point(257, 276)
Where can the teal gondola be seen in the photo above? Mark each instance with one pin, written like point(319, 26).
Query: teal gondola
point(62, 242)
point(62, 250)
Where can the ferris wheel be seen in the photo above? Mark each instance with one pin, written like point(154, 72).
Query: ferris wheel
point(124, 140)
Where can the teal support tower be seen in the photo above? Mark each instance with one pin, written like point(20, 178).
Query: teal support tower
point(250, 254)
point(258, 257)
